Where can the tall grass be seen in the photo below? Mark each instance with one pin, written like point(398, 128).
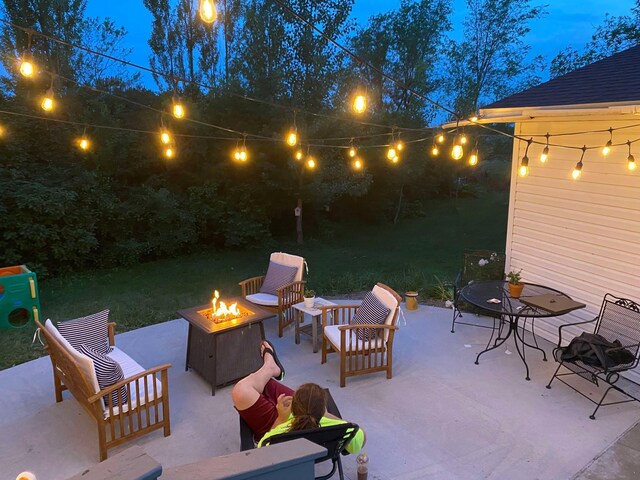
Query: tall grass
point(351, 258)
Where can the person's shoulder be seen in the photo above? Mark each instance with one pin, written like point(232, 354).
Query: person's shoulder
point(326, 421)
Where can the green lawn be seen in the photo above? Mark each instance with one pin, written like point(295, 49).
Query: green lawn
point(346, 258)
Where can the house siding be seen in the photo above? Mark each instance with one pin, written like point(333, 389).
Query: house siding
point(581, 237)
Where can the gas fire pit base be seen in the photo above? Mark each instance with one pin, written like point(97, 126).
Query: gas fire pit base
point(227, 351)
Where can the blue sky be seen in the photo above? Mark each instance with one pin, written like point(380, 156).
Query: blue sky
point(563, 25)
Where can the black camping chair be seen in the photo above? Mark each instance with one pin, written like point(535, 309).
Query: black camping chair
point(619, 319)
point(247, 441)
point(334, 438)
point(477, 265)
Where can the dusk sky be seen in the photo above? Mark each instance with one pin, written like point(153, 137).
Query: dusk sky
point(564, 24)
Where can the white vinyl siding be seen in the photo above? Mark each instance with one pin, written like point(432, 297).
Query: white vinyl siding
point(579, 236)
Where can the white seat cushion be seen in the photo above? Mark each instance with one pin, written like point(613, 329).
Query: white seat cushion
point(332, 333)
point(130, 368)
point(265, 299)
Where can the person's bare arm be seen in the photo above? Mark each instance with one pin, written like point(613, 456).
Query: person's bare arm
point(284, 410)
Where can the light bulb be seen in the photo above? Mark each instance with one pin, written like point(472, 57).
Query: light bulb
point(544, 156)
point(165, 137)
point(359, 103)
point(311, 163)
point(395, 159)
point(84, 143)
point(299, 155)
point(169, 152)
point(357, 164)
point(473, 159)
point(399, 145)
point(208, 12)
point(577, 171)
point(606, 150)
point(457, 152)
point(26, 66)
point(441, 138)
point(236, 154)
point(631, 163)
point(474, 118)
point(243, 155)
point(47, 101)
point(2, 131)
point(292, 138)
point(178, 109)
point(352, 152)
point(434, 151)
point(463, 139)
point(391, 153)
point(523, 171)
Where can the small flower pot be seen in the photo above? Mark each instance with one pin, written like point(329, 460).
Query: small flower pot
point(515, 289)
point(309, 301)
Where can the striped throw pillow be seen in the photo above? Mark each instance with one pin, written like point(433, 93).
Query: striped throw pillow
point(372, 311)
point(277, 276)
point(108, 372)
point(91, 330)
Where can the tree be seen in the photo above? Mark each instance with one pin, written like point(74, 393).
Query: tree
point(491, 61)
point(614, 35)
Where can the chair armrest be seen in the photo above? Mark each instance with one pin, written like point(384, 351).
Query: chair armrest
point(614, 349)
point(571, 325)
point(251, 285)
point(341, 315)
point(112, 333)
point(152, 371)
point(377, 326)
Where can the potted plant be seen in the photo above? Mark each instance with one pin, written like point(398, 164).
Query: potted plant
point(309, 297)
point(515, 285)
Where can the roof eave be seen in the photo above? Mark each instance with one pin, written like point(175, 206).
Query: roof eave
point(517, 114)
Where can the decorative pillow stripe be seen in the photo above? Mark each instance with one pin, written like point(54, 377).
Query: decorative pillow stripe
point(91, 330)
point(277, 276)
point(372, 311)
point(108, 372)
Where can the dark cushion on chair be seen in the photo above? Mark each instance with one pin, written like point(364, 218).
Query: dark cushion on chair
point(371, 311)
point(108, 372)
point(277, 276)
point(91, 330)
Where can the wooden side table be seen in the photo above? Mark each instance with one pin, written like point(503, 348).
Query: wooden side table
point(314, 327)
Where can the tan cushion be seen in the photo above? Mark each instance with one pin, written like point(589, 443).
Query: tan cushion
point(390, 301)
point(263, 299)
point(84, 362)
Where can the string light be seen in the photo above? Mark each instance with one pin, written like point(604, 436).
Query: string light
point(359, 102)
point(178, 108)
point(606, 150)
point(577, 171)
point(463, 139)
point(165, 136)
point(631, 162)
point(208, 12)
point(83, 142)
point(47, 102)
point(523, 171)
point(352, 152)
point(241, 154)
point(544, 156)
point(441, 138)
point(299, 155)
point(399, 145)
point(357, 164)
point(434, 150)
point(292, 138)
point(457, 152)
point(391, 153)
point(26, 65)
point(474, 157)
point(395, 159)
point(170, 151)
point(2, 131)
point(311, 163)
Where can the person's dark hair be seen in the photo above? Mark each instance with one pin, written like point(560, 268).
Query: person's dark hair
point(308, 406)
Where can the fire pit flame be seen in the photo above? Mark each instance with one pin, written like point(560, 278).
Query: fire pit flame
point(220, 312)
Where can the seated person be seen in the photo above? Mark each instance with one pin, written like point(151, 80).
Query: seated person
point(270, 408)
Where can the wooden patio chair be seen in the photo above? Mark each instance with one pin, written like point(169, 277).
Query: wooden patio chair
point(358, 356)
point(618, 320)
point(287, 294)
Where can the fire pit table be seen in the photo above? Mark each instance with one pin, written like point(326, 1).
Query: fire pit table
point(223, 350)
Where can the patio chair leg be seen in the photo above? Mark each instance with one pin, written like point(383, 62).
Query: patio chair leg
point(554, 376)
point(456, 314)
point(593, 415)
point(340, 472)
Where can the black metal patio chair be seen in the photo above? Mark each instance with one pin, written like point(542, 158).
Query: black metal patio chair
point(618, 320)
point(477, 265)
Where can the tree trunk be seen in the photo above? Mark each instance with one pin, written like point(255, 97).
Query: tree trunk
point(299, 222)
point(395, 219)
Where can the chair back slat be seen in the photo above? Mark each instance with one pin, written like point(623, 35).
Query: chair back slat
point(619, 319)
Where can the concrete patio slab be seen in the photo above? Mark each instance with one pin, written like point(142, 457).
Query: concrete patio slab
point(440, 417)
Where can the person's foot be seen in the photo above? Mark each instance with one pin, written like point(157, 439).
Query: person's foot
point(270, 360)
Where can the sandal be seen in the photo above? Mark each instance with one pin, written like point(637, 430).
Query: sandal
point(271, 350)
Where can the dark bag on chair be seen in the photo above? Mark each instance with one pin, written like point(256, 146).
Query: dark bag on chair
point(595, 350)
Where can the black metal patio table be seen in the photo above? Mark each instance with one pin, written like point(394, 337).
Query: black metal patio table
point(513, 309)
